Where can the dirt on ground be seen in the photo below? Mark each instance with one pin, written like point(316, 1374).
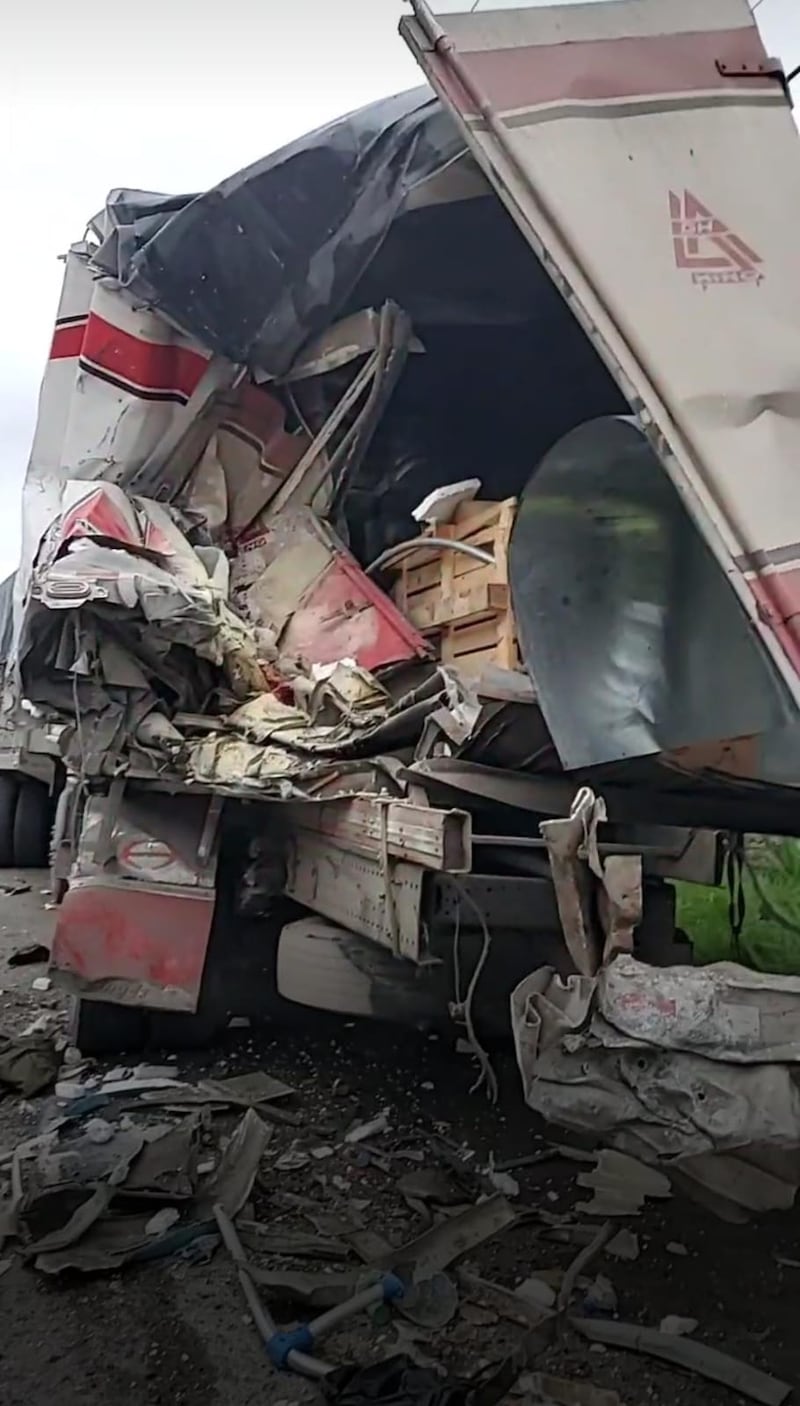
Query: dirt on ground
point(179, 1332)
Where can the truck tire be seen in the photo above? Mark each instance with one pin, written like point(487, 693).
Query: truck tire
point(9, 792)
point(98, 1027)
point(32, 824)
point(180, 1030)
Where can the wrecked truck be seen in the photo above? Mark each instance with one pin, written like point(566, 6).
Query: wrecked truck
point(411, 535)
point(31, 772)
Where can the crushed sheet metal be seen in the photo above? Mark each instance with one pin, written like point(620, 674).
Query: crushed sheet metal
point(581, 1071)
point(437, 1248)
point(723, 1011)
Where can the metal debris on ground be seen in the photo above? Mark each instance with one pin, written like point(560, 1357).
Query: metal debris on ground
point(621, 1185)
point(623, 1246)
point(676, 1326)
point(363, 1131)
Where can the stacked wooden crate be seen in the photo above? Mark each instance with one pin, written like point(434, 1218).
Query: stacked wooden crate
point(462, 605)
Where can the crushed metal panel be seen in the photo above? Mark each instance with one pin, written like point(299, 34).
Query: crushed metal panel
point(654, 1067)
point(365, 895)
point(691, 130)
point(434, 839)
point(132, 944)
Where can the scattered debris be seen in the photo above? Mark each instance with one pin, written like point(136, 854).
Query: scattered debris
point(363, 1131)
point(430, 1303)
point(581, 1262)
point(677, 1327)
point(620, 1185)
point(29, 956)
point(41, 983)
point(503, 1182)
point(437, 1248)
point(674, 1247)
point(432, 1184)
point(162, 1220)
point(98, 1130)
point(500, 1300)
point(623, 1246)
point(562, 1392)
point(316, 1291)
point(537, 1292)
point(399, 1381)
point(600, 1298)
point(692, 1356)
point(292, 1161)
point(28, 1063)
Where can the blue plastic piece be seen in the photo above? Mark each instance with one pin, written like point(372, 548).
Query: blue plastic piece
point(393, 1287)
point(281, 1344)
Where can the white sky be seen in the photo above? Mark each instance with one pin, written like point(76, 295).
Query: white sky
point(170, 95)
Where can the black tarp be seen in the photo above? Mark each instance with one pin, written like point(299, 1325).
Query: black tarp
point(269, 257)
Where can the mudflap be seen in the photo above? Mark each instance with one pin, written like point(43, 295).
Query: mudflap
point(133, 944)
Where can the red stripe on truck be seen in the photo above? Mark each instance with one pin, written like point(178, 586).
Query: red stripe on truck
point(150, 369)
point(67, 340)
point(778, 596)
point(660, 65)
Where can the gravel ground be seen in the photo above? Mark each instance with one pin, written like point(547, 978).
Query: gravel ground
point(174, 1333)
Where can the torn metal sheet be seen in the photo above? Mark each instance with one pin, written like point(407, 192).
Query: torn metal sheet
point(621, 1185)
point(96, 1242)
point(582, 1071)
point(723, 1011)
point(288, 1243)
point(81, 1161)
point(572, 878)
point(167, 1167)
point(343, 342)
point(437, 1248)
point(232, 1182)
point(90, 1206)
point(319, 1291)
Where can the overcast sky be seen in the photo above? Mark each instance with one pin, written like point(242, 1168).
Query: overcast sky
point(170, 95)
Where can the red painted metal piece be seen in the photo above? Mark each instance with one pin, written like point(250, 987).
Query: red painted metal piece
point(344, 615)
point(133, 944)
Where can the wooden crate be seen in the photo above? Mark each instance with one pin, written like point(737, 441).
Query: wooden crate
point(462, 604)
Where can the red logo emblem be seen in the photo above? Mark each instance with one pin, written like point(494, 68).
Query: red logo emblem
point(707, 247)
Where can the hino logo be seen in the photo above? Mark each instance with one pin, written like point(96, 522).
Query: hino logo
point(707, 247)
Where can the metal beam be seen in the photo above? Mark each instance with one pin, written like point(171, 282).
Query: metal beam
point(378, 826)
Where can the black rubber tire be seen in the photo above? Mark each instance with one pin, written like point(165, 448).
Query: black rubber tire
point(33, 821)
point(9, 793)
point(98, 1028)
point(181, 1030)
